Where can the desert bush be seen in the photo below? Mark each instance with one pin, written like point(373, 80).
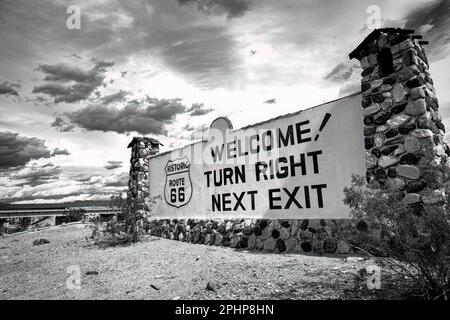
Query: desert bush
point(416, 239)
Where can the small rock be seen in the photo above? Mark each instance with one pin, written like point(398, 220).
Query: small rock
point(387, 161)
point(412, 144)
point(91, 273)
point(398, 93)
point(422, 133)
point(397, 120)
point(38, 242)
point(416, 108)
point(211, 286)
point(412, 198)
point(176, 298)
point(154, 287)
point(408, 171)
point(371, 110)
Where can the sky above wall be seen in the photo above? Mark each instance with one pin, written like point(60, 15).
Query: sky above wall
point(71, 100)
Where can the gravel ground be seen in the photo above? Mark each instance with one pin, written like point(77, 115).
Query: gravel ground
point(165, 269)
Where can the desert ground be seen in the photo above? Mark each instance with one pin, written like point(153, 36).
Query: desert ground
point(157, 268)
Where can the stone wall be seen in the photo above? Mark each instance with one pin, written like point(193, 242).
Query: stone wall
point(404, 133)
point(290, 236)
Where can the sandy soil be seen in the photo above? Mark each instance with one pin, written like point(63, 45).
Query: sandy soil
point(165, 269)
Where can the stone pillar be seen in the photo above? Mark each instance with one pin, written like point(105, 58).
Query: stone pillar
point(142, 149)
point(403, 133)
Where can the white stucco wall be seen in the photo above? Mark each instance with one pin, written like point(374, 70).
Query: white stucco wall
point(338, 152)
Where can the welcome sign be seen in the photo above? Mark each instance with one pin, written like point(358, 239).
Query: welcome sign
point(292, 167)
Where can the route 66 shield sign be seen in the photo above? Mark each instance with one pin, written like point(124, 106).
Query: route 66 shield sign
point(178, 187)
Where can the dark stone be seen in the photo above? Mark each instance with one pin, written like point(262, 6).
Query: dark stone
point(440, 125)
point(263, 224)
point(408, 57)
point(436, 140)
point(226, 240)
point(306, 246)
point(390, 80)
point(304, 225)
point(368, 120)
point(388, 150)
point(281, 245)
point(381, 175)
point(38, 242)
point(428, 79)
point(382, 118)
point(312, 230)
point(367, 71)
point(432, 103)
point(377, 97)
point(91, 273)
point(415, 186)
point(406, 128)
point(257, 231)
point(369, 142)
point(416, 209)
point(275, 234)
point(376, 152)
point(409, 158)
point(285, 223)
point(415, 82)
point(365, 86)
point(399, 107)
point(392, 173)
point(369, 131)
point(424, 123)
point(361, 225)
point(248, 231)
point(397, 140)
point(391, 133)
point(329, 245)
point(366, 101)
point(243, 243)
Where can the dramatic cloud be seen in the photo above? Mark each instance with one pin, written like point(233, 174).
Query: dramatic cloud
point(232, 8)
point(198, 109)
point(7, 88)
point(433, 19)
point(71, 84)
point(58, 151)
point(119, 96)
point(36, 175)
point(270, 101)
point(120, 180)
point(343, 71)
point(113, 165)
point(148, 117)
point(62, 124)
point(16, 150)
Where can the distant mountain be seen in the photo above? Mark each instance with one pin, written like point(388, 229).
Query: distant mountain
point(87, 203)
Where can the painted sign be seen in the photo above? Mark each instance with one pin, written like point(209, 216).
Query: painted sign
point(292, 167)
point(178, 187)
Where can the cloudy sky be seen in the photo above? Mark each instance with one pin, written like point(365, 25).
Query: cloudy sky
point(72, 99)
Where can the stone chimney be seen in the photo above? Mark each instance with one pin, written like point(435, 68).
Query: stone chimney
point(403, 130)
point(142, 149)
